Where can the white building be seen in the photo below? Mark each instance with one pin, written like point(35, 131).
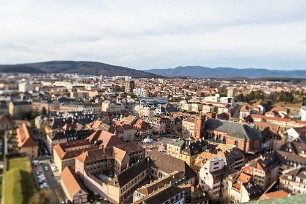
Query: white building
point(211, 176)
point(25, 86)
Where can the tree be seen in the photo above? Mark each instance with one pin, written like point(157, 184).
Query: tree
point(43, 111)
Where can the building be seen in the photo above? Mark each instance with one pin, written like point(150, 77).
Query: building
point(194, 126)
point(85, 108)
point(231, 155)
point(244, 136)
point(210, 176)
point(24, 87)
point(107, 172)
point(161, 190)
point(293, 181)
point(73, 187)
point(264, 170)
point(111, 107)
point(129, 86)
point(68, 132)
point(19, 109)
point(295, 133)
point(240, 188)
point(26, 144)
point(291, 154)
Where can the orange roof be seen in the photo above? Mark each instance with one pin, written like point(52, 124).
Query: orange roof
point(276, 194)
point(72, 183)
point(108, 139)
point(23, 137)
point(244, 177)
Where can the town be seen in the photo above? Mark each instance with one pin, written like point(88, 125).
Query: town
point(72, 138)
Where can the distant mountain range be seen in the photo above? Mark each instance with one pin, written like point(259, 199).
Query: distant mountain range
point(82, 67)
point(226, 72)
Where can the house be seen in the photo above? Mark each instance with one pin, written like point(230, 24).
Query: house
point(231, 155)
point(194, 126)
point(73, 187)
point(264, 170)
point(293, 181)
point(143, 129)
point(122, 130)
point(69, 132)
point(210, 176)
point(295, 133)
point(191, 150)
point(241, 188)
point(291, 154)
point(26, 144)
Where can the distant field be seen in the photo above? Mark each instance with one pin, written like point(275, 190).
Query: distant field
point(19, 181)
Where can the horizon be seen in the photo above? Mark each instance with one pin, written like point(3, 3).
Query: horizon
point(260, 68)
point(156, 35)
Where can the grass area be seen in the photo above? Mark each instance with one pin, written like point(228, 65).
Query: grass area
point(1, 186)
point(19, 181)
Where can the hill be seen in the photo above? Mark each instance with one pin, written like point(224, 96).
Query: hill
point(82, 67)
point(226, 72)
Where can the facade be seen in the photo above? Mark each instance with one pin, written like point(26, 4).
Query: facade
point(210, 176)
point(264, 170)
point(129, 86)
point(19, 108)
point(110, 107)
point(293, 181)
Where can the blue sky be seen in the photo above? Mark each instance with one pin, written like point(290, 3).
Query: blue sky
point(156, 34)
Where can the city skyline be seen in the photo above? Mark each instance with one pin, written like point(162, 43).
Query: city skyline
point(146, 35)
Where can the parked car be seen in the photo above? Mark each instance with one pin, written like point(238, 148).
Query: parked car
point(35, 162)
point(39, 172)
point(46, 168)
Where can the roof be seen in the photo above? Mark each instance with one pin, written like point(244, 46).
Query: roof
point(161, 195)
point(233, 129)
point(169, 164)
point(72, 182)
point(276, 194)
point(23, 137)
point(297, 199)
point(132, 172)
point(108, 139)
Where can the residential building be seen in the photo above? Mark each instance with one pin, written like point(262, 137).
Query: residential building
point(26, 144)
point(73, 187)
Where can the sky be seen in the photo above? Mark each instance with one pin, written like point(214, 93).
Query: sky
point(146, 34)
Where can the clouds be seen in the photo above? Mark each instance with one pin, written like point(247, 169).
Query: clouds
point(156, 34)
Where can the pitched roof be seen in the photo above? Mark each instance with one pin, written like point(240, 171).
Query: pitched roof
point(276, 194)
point(233, 129)
point(169, 164)
point(23, 137)
point(130, 173)
point(71, 182)
point(108, 139)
